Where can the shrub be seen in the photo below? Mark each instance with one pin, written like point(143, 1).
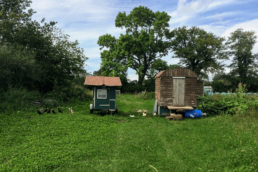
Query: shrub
point(17, 99)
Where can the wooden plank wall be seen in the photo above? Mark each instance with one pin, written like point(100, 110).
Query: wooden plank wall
point(179, 73)
point(166, 91)
point(164, 87)
point(200, 85)
point(157, 89)
point(191, 92)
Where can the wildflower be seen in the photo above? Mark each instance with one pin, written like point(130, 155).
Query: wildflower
point(243, 150)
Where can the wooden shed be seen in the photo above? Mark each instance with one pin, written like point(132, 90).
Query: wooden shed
point(104, 92)
point(176, 89)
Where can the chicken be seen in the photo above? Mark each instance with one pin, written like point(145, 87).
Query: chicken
point(40, 113)
point(53, 111)
point(49, 110)
point(59, 110)
point(72, 111)
point(41, 110)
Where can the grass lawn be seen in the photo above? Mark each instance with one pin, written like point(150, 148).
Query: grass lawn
point(91, 142)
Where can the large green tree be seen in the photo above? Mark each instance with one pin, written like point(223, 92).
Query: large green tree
point(158, 66)
point(12, 16)
point(198, 50)
point(147, 38)
point(244, 67)
point(17, 64)
point(63, 60)
point(57, 58)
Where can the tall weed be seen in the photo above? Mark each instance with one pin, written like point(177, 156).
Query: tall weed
point(237, 103)
point(16, 99)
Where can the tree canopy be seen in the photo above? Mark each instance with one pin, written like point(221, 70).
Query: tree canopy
point(198, 50)
point(244, 66)
point(51, 53)
point(147, 38)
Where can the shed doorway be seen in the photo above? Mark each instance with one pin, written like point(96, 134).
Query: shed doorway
point(178, 91)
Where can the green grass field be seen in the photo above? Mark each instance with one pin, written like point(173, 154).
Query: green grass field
point(91, 142)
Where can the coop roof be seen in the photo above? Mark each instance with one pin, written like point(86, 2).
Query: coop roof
point(178, 72)
point(158, 75)
point(102, 80)
point(207, 87)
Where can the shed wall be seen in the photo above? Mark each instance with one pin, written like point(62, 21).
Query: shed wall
point(164, 87)
point(200, 85)
point(166, 91)
point(179, 73)
point(191, 92)
point(164, 95)
point(157, 90)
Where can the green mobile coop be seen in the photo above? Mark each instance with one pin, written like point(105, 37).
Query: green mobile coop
point(104, 92)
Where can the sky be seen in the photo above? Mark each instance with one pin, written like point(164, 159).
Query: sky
point(87, 20)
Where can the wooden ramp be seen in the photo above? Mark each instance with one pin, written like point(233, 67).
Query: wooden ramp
point(182, 107)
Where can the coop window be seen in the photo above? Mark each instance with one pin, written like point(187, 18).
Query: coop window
point(102, 93)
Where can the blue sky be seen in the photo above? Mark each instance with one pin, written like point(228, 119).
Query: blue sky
point(87, 20)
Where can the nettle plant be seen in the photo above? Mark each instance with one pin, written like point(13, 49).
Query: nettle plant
point(228, 104)
point(240, 91)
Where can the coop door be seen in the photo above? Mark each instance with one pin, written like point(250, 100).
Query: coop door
point(178, 91)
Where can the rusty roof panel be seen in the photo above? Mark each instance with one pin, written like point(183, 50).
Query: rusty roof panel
point(207, 87)
point(112, 81)
point(158, 75)
point(94, 80)
point(102, 80)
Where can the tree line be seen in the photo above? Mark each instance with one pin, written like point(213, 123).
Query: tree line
point(148, 39)
point(39, 56)
point(35, 55)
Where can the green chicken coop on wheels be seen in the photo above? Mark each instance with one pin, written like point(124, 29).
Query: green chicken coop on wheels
point(104, 92)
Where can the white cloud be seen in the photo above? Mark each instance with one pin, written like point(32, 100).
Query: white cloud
point(193, 6)
point(76, 10)
point(251, 25)
point(217, 30)
point(92, 65)
point(92, 52)
point(219, 16)
point(217, 3)
point(189, 10)
point(176, 18)
point(133, 77)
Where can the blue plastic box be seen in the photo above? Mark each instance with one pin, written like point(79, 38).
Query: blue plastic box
point(193, 114)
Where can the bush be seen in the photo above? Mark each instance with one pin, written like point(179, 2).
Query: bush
point(132, 88)
point(220, 87)
point(17, 99)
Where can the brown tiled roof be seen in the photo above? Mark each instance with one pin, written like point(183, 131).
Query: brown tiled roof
point(158, 75)
point(102, 80)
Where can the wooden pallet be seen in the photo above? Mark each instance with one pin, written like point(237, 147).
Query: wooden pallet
point(169, 117)
point(177, 117)
point(182, 107)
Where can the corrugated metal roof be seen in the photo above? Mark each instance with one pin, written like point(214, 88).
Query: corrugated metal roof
point(207, 87)
point(158, 75)
point(102, 80)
